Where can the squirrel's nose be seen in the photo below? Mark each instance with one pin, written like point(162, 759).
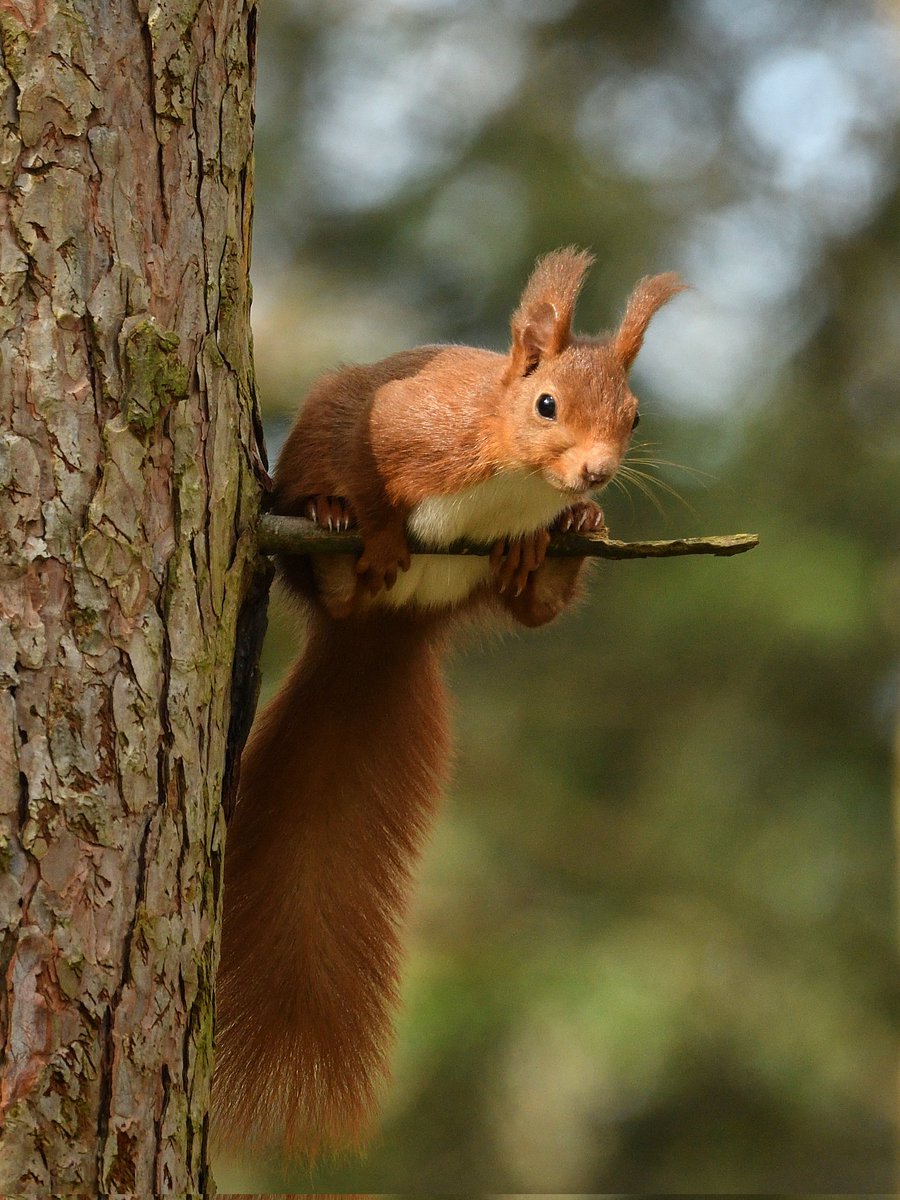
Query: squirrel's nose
point(599, 472)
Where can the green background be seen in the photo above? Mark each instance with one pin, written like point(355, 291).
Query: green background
point(653, 939)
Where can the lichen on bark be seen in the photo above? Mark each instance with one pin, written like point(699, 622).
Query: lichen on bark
point(154, 375)
point(128, 503)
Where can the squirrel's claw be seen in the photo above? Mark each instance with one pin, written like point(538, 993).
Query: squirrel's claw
point(584, 517)
point(334, 513)
point(518, 557)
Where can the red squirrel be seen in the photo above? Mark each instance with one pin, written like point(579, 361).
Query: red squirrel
point(342, 772)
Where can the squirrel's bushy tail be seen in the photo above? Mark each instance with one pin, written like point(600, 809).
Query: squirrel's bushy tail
point(339, 782)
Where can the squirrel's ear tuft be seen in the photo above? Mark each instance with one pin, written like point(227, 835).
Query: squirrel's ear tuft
point(649, 294)
point(542, 323)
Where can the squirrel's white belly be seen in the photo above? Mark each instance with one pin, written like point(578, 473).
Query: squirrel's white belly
point(505, 506)
point(436, 581)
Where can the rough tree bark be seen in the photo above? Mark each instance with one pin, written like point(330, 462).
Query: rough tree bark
point(128, 499)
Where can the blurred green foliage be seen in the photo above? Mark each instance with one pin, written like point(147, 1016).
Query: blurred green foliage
point(653, 946)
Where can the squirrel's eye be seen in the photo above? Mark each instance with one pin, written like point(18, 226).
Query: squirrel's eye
point(636, 421)
point(546, 406)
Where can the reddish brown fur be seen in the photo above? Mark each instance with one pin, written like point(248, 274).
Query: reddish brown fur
point(435, 420)
point(542, 323)
point(650, 294)
point(320, 851)
point(343, 770)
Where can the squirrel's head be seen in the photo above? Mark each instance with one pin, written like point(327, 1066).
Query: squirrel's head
point(567, 409)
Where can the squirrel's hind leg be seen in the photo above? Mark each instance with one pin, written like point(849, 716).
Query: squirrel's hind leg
point(334, 574)
point(515, 559)
point(549, 590)
point(329, 579)
point(540, 592)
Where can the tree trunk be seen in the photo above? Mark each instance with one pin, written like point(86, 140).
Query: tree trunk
point(128, 501)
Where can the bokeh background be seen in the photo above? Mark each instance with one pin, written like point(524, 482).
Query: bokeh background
point(653, 941)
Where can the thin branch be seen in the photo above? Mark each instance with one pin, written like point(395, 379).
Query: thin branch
point(296, 535)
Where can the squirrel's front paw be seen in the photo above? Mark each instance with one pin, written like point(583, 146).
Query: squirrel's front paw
point(517, 557)
point(381, 560)
point(333, 513)
point(583, 517)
